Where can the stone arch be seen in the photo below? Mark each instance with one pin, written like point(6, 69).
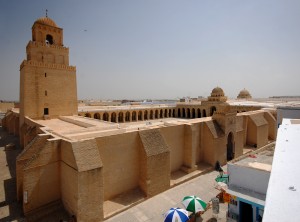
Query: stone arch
point(188, 113)
point(183, 113)
point(161, 115)
point(193, 113)
point(204, 113)
point(166, 113)
point(49, 39)
point(156, 114)
point(179, 112)
point(173, 113)
point(146, 115)
point(199, 113)
point(105, 116)
point(96, 116)
point(151, 114)
point(127, 116)
point(114, 117)
point(230, 146)
point(212, 110)
point(134, 116)
point(88, 115)
point(140, 115)
point(170, 113)
point(120, 117)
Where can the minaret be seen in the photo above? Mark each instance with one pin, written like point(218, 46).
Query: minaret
point(47, 82)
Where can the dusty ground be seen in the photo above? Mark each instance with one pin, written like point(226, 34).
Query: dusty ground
point(10, 209)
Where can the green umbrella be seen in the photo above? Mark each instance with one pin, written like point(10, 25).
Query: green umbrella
point(194, 204)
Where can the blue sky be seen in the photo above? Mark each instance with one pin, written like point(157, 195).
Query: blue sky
point(157, 49)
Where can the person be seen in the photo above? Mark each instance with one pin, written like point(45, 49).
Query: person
point(218, 166)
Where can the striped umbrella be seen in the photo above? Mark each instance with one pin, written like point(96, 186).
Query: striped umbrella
point(194, 204)
point(176, 214)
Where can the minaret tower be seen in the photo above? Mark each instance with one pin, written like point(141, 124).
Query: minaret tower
point(47, 82)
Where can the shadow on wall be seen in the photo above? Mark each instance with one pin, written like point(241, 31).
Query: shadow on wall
point(9, 145)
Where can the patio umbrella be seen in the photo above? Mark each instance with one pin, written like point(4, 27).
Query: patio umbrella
point(194, 204)
point(221, 186)
point(176, 214)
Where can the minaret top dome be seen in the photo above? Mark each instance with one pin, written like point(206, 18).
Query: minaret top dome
point(46, 21)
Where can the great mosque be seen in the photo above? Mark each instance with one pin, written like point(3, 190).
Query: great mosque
point(83, 157)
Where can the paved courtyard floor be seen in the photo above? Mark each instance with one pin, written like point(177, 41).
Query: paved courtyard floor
point(154, 208)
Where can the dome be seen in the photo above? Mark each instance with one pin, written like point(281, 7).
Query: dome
point(244, 94)
point(217, 92)
point(46, 21)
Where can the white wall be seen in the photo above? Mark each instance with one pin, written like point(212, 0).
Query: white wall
point(248, 178)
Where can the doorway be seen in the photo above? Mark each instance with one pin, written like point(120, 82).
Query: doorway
point(246, 212)
point(46, 111)
point(230, 147)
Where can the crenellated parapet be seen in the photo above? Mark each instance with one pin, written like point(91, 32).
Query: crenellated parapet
point(47, 65)
point(40, 44)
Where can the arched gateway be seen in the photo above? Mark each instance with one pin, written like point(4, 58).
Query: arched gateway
point(230, 147)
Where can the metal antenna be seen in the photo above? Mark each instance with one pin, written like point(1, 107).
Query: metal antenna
point(46, 12)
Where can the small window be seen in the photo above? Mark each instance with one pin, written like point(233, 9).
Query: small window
point(45, 74)
point(46, 111)
point(46, 93)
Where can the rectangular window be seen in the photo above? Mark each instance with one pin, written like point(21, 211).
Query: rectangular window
point(46, 111)
point(46, 93)
point(45, 74)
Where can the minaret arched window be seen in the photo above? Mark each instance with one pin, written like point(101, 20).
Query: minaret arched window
point(49, 39)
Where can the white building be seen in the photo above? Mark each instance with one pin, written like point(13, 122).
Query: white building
point(248, 183)
point(283, 195)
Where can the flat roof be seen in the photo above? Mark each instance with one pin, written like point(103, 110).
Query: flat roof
point(124, 107)
point(78, 127)
point(261, 160)
point(283, 194)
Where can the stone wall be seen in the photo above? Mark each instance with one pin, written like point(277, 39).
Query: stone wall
point(85, 173)
point(174, 137)
point(5, 106)
point(120, 156)
point(155, 173)
point(43, 87)
point(38, 168)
